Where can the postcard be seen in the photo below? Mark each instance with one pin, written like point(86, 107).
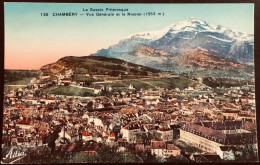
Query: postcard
point(128, 83)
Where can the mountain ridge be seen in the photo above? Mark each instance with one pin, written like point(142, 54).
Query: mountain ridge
point(186, 36)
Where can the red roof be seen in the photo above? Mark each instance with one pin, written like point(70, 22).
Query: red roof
point(120, 103)
point(121, 139)
point(113, 135)
point(20, 140)
point(25, 122)
point(158, 144)
point(42, 135)
point(19, 106)
point(85, 134)
point(90, 152)
point(64, 120)
point(107, 105)
point(66, 79)
point(5, 128)
point(32, 99)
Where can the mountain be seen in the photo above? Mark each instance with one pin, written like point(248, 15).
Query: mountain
point(199, 61)
point(164, 46)
point(97, 65)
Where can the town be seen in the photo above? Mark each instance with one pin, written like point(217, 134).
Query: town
point(197, 123)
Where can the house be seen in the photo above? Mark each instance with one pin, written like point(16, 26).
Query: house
point(21, 141)
point(111, 138)
point(129, 110)
point(158, 148)
point(97, 90)
point(32, 100)
point(151, 96)
point(42, 84)
point(243, 100)
point(24, 123)
point(172, 98)
point(50, 100)
point(66, 81)
point(86, 136)
point(63, 134)
point(166, 133)
point(129, 132)
point(174, 119)
point(30, 94)
point(152, 101)
point(120, 104)
point(191, 88)
point(172, 150)
point(174, 102)
point(230, 114)
point(164, 150)
point(131, 86)
point(96, 122)
point(161, 89)
point(251, 100)
point(126, 98)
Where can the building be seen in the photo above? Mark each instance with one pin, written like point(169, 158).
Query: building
point(164, 150)
point(130, 131)
point(166, 133)
point(209, 136)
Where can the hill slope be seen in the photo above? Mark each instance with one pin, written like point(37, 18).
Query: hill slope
point(97, 65)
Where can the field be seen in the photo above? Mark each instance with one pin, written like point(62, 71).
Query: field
point(171, 83)
point(226, 82)
point(16, 77)
point(138, 84)
point(9, 88)
point(19, 77)
point(153, 83)
point(68, 90)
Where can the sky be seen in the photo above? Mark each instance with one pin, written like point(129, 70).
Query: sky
point(32, 40)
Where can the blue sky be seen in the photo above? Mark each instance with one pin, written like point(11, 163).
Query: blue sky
point(28, 36)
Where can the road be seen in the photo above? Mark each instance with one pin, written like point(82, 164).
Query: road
point(15, 85)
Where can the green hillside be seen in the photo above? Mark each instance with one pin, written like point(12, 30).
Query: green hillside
point(19, 77)
point(68, 90)
point(98, 66)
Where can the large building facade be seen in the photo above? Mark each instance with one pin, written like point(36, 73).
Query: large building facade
point(209, 136)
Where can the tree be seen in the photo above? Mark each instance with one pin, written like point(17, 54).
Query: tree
point(179, 158)
point(248, 152)
point(247, 145)
point(105, 154)
point(52, 138)
point(148, 157)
